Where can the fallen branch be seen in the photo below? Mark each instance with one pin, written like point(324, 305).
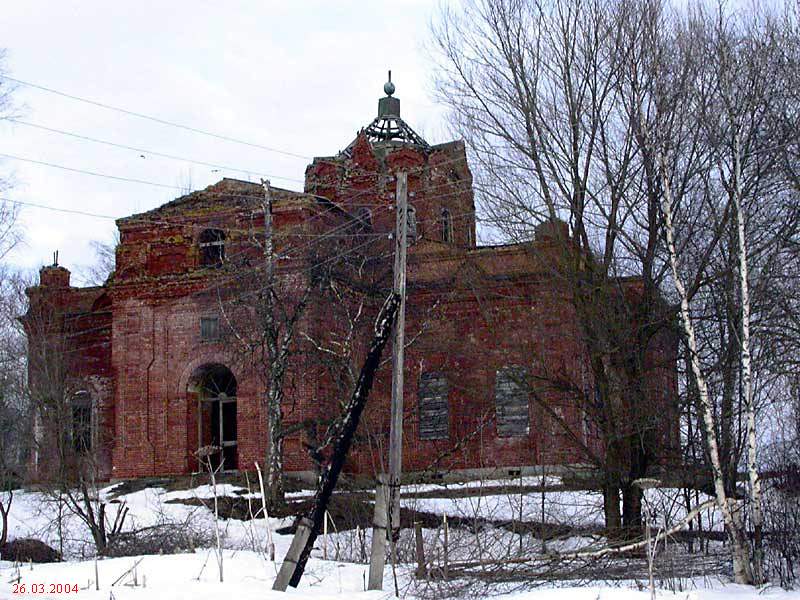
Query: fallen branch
point(118, 579)
point(557, 556)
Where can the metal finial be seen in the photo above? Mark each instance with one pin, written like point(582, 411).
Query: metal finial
point(388, 87)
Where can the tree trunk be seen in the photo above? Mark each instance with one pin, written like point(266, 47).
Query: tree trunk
point(276, 498)
point(632, 508)
point(729, 454)
point(4, 510)
point(747, 386)
point(742, 570)
point(611, 510)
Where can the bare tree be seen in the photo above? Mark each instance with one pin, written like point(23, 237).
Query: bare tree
point(267, 309)
point(742, 114)
point(70, 448)
point(204, 455)
point(104, 263)
point(548, 95)
point(742, 567)
point(593, 112)
point(10, 233)
point(15, 416)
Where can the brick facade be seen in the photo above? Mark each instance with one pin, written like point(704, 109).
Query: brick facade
point(136, 344)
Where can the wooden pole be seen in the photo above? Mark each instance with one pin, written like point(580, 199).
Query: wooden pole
point(422, 568)
point(310, 526)
point(398, 355)
point(378, 553)
point(292, 558)
point(377, 559)
point(325, 536)
point(269, 250)
point(446, 552)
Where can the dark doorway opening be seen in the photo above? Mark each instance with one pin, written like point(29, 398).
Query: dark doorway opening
point(216, 423)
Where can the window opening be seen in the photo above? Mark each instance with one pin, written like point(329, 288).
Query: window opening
point(212, 247)
point(411, 222)
point(209, 329)
point(434, 418)
point(217, 422)
point(82, 422)
point(447, 226)
point(511, 402)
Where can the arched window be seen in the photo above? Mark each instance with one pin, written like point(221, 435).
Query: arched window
point(447, 226)
point(82, 426)
point(411, 222)
point(365, 217)
point(212, 247)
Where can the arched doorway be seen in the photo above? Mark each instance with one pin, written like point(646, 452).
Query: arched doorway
point(215, 387)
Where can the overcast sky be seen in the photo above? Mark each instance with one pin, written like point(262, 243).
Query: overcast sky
point(301, 77)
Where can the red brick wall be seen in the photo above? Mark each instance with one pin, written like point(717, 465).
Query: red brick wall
point(471, 311)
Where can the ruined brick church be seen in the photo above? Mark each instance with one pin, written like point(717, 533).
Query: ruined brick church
point(147, 360)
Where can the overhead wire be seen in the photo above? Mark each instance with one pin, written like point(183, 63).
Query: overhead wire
point(155, 119)
point(217, 283)
point(208, 164)
point(226, 194)
point(166, 122)
point(145, 152)
point(150, 221)
point(229, 278)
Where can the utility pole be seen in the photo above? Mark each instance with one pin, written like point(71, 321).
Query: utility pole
point(274, 415)
point(379, 534)
point(268, 243)
point(294, 563)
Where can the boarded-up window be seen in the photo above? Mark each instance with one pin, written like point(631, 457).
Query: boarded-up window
point(411, 223)
point(434, 421)
point(209, 329)
point(511, 402)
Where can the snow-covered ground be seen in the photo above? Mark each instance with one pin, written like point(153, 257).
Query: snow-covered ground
point(248, 573)
point(184, 577)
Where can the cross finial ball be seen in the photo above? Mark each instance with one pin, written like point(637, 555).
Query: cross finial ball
point(388, 87)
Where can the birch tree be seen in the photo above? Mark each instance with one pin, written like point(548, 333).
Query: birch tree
point(262, 308)
point(741, 563)
point(740, 107)
point(549, 95)
point(743, 114)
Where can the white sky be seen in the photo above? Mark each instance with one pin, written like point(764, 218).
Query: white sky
point(298, 76)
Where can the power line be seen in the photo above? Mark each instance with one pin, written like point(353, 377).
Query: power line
point(175, 187)
point(161, 121)
point(328, 234)
point(151, 152)
point(56, 209)
point(93, 173)
point(179, 188)
point(157, 119)
point(205, 163)
point(231, 278)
